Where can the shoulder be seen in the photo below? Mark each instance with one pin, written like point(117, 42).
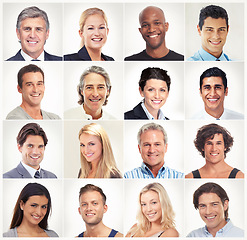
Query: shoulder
point(197, 233)
point(107, 58)
point(189, 175)
point(173, 173)
point(11, 233)
point(136, 57)
point(174, 56)
point(49, 115)
point(230, 114)
point(131, 232)
point(136, 113)
point(107, 116)
point(195, 57)
point(11, 174)
point(118, 234)
point(17, 57)
point(74, 113)
point(48, 174)
point(17, 113)
point(240, 174)
point(50, 57)
point(72, 57)
point(170, 232)
point(135, 173)
point(115, 174)
point(51, 233)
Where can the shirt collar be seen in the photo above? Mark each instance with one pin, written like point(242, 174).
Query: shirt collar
point(222, 230)
point(31, 170)
point(145, 168)
point(150, 117)
point(89, 117)
point(209, 57)
point(28, 58)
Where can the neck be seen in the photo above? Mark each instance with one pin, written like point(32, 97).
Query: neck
point(159, 52)
point(155, 169)
point(95, 54)
point(215, 113)
point(215, 167)
point(153, 112)
point(32, 111)
point(95, 114)
point(95, 230)
point(34, 55)
point(213, 231)
point(28, 228)
point(217, 55)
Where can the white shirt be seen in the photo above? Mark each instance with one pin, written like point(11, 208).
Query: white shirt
point(161, 116)
point(28, 58)
point(31, 170)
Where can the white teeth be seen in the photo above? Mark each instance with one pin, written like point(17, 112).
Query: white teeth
point(89, 214)
point(94, 100)
point(214, 154)
point(34, 157)
point(97, 39)
point(153, 36)
point(210, 217)
point(156, 101)
point(32, 42)
point(89, 155)
point(35, 95)
point(212, 100)
point(36, 217)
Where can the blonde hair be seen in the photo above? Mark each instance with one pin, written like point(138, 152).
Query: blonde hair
point(89, 12)
point(168, 215)
point(107, 166)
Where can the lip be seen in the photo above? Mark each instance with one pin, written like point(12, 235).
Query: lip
point(97, 39)
point(35, 157)
point(215, 42)
point(35, 94)
point(95, 100)
point(157, 102)
point(36, 217)
point(89, 154)
point(212, 100)
point(32, 42)
point(210, 218)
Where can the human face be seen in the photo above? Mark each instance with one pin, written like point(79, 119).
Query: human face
point(94, 32)
point(34, 210)
point(32, 151)
point(33, 34)
point(33, 89)
point(214, 149)
point(153, 27)
point(151, 206)
point(211, 211)
point(152, 148)
point(155, 93)
point(91, 147)
point(94, 92)
point(213, 35)
point(92, 207)
point(213, 95)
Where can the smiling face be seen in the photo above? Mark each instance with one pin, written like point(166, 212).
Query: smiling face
point(34, 210)
point(32, 151)
point(212, 211)
point(92, 207)
point(32, 35)
point(94, 32)
point(213, 35)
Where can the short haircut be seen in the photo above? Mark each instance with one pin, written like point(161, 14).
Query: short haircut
point(32, 12)
point(212, 11)
point(151, 126)
point(27, 69)
point(207, 132)
point(210, 187)
point(154, 7)
point(154, 73)
point(91, 188)
point(214, 72)
point(98, 70)
point(33, 129)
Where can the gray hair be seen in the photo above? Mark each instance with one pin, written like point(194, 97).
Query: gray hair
point(32, 12)
point(98, 70)
point(151, 126)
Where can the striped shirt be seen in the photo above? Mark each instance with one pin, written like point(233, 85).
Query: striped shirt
point(144, 172)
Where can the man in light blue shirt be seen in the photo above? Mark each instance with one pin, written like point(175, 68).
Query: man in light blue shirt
point(213, 29)
point(152, 145)
point(212, 202)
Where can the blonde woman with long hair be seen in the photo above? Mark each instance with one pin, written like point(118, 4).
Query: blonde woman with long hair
point(155, 216)
point(97, 159)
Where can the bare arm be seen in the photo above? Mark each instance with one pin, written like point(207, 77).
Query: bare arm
point(171, 232)
point(189, 175)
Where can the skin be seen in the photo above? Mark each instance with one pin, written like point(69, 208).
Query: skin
point(152, 149)
point(211, 211)
point(32, 91)
point(153, 30)
point(95, 93)
point(32, 151)
point(213, 35)
point(155, 94)
point(32, 35)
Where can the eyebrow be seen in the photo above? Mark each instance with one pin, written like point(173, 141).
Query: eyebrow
point(216, 85)
point(214, 27)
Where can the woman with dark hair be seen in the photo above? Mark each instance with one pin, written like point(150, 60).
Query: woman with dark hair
point(31, 213)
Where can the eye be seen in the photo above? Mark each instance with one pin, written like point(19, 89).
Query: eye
point(90, 28)
point(143, 204)
point(91, 144)
point(82, 145)
point(150, 89)
point(39, 29)
point(144, 25)
point(88, 88)
point(41, 146)
point(157, 144)
point(163, 90)
point(154, 202)
point(157, 23)
point(44, 207)
point(26, 29)
point(102, 27)
point(29, 145)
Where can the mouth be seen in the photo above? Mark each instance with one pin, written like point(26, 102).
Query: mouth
point(97, 39)
point(95, 100)
point(89, 155)
point(157, 101)
point(215, 42)
point(36, 217)
point(35, 95)
point(35, 157)
point(213, 100)
point(90, 214)
point(153, 35)
point(32, 42)
point(210, 218)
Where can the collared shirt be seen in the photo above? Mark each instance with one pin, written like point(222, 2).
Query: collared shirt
point(229, 230)
point(145, 172)
point(31, 170)
point(202, 55)
point(28, 58)
point(161, 116)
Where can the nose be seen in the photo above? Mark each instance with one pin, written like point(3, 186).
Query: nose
point(151, 149)
point(151, 28)
point(212, 91)
point(34, 88)
point(157, 94)
point(96, 31)
point(149, 207)
point(213, 147)
point(32, 33)
point(95, 92)
point(208, 209)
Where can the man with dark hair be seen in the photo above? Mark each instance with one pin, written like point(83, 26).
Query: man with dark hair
point(213, 28)
point(214, 142)
point(32, 29)
point(213, 89)
point(31, 142)
point(31, 85)
point(92, 208)
point(212, 202)
point(153, 30)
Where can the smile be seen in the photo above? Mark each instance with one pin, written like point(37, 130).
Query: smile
point(95, 100)
point(35, 158)
point(35, 95)
point(36, 217)
point(213, 100)
point(90, 214)
point(89, 155)
point(156, 101)
point(32, 42)
point(97, 39)
point(215, 43)
point(210, 218)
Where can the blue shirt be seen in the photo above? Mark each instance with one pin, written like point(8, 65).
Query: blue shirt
point(145, 172)
point(229, 230)
point(202, 55)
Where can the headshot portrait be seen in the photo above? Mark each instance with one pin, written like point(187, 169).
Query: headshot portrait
point(154, 28)
point(210, 36)
point(32, 32)
point(93, 32)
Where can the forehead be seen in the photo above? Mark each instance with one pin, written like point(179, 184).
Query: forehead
point(152, 136)
point(209, 197)
point(94, 79)
point(95, 19)
point(149, 195)
point(42, 200)
point(152, 14)
point(91, 196)
point(214, 22)
point(31, 76)
point(156, 83)
point(36, 22)
point(34, 139)
point(216, 137)
point(212, 81)
point(86, 137)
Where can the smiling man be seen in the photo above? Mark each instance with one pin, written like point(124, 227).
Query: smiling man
point(32, 87)
point(213, 29)
point(92, 209)
point(212, 202)
point(152, 144)
point(32, 29)
point(213, 90)
point(31, 142)
point(153, 30)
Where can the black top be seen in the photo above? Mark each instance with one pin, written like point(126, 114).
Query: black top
point(112, 233)
point(233, 173)
point(83, 55)
point(143, 56)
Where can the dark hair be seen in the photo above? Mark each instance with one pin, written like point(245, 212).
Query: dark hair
point(212, 11)
point(33, 129)
point(91, 188)
point(207, 132)
point(31, 189)
point(210, 187)
point(29, 68)
point(214, 72)
point(154, 73)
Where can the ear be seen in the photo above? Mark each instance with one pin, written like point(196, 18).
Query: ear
point(139, 148)
point(140, 30)
point(141, 92)
point(166, 147)
point(226, 91)
point(79, 210)
point(81, 33)
point(18, 34)
point(107, 31)
point(47, 34)
point(21, 205)
point(105, 208)
point(226, 205)
point(200, 91)
point(19, 89)
point(228, 29)
point(19, 148)
point(166, 26)
point(199, 30)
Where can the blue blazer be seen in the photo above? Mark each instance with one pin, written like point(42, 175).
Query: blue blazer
point(48, 57)
point(21, 172)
